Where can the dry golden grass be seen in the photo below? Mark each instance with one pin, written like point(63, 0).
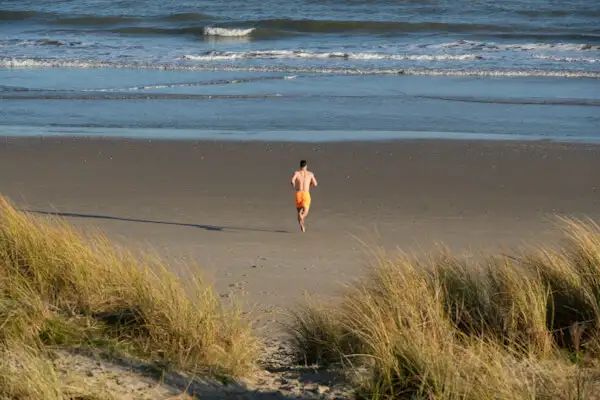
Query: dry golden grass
point(59, 288)
point(24, 375)
point(524, 327)
point(27, 374)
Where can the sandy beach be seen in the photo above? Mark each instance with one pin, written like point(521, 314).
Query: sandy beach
point(227, 207)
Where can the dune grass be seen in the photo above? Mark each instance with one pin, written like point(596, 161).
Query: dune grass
point(507, 327)
point(59, 288)
point(25, 373)
point(522, 327)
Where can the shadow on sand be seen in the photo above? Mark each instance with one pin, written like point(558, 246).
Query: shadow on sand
point(213, 228)
point(177, 383)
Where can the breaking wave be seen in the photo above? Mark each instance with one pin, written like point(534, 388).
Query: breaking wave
point(296, 25)
point(298, 54)
point(569, 59)
point(170, 24)
point(212, 31)
point(38, 42)
point(227, 32)
point(490, 46)
point(48, 63)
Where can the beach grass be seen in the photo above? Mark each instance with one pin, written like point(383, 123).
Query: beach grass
point(27, 373)
point(62, 289)
point(522, 326)
point(503, 327)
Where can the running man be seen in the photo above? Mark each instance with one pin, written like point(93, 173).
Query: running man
point(302, 181)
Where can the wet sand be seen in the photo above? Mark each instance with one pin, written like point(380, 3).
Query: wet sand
point(228, 206)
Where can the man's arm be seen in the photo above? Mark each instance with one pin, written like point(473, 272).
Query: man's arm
point(293, 181)
point(313, 181)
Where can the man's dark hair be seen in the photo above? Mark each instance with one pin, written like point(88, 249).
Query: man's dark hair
point(302, 163)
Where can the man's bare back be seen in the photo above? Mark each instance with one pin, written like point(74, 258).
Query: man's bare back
point(302, 181)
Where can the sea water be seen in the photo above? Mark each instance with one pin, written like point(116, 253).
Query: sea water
point(301, 70)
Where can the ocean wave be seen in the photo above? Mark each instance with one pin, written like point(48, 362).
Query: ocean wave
point(336, 26)
point(297, 54)
point(295, 25)
point(190, 84)
point(128, 96)
point(6, 62)
point(4, 88)
point(83, 95)
point(280, 26)
point(21, 15)
point(38, 42)
point(187, 17)
point(524, 101)
point(62, 19)
point(263, 31)
point(91, 20)
point(491, 46)
point(593, 37)
point(198, 31)
point(228, 32)
point(558, 13)
point(309, 26)
point(260, 54)
point(183, 24)
point(148, 30)
point(569, 59)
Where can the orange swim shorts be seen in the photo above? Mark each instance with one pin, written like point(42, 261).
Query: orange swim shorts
point(303, 200)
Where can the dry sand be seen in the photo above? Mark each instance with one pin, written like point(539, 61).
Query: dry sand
point(228, 206)
point(278, 379)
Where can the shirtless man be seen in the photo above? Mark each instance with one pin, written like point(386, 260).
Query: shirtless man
point(302, 181)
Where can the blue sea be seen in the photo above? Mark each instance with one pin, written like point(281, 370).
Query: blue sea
point(312, 70)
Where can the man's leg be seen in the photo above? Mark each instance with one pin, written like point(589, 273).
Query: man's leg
point(304, 214)
point(301, 218)
point(306, 208)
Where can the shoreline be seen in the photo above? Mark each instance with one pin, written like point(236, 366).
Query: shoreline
point(275, 136)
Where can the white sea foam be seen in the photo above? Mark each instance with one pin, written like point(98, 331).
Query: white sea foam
point(229, 32)
point(569, 59)
point(440, 57)
point(297, 54)
point(42, 42)
point(491, 46)
point(47, 63)
point(260, 54)
point(192, 84)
